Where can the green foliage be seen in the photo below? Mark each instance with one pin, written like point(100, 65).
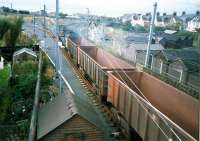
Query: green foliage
point(47, 80)
point(10, 28)
point(25, 40)
point(4, 77)
point(4, 27)
point(25, 68)
point(139, 28)
point(25, 86)
point(13, 32)
point(197, 38)
point(127, 26)
point(5, 102)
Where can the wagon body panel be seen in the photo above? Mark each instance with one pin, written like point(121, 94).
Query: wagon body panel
point(174, 104)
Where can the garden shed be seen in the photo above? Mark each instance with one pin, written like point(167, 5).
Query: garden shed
point(24, 54)
point(68, 118)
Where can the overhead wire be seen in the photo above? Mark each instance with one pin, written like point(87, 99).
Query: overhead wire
point(142, 95)
point(112, 63)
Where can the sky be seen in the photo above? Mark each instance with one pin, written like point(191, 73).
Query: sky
point(107, 7)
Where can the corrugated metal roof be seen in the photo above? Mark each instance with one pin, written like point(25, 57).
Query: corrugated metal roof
point(25, 50)
point(190, 58)
point(61, 109)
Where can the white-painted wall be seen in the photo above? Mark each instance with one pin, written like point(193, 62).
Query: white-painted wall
point(1, 63)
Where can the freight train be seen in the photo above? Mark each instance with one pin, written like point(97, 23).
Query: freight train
point(141, 102)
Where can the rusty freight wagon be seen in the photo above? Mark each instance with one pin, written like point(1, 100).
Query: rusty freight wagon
point(169, 108)
point(73, 42)
point(95, 63)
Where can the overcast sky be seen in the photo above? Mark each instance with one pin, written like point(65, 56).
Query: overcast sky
point(107, 7)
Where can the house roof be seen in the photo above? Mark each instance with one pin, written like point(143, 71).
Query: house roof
point(190, 58)
point(196, 19)
point(170, 31)
point(25, 50)
point(62, 109)
point(186, 18)
point(143, 46)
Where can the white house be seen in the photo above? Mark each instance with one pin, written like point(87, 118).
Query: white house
point(143, 20)
point(137, 20)
point(194, 23)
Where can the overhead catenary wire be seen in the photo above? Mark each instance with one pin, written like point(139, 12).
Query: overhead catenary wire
point(144, 98)
point(139, 100)
point(145, 108)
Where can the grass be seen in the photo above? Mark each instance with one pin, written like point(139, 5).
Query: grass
point(4, 76)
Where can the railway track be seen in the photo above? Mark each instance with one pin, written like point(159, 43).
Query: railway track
point(107, 115)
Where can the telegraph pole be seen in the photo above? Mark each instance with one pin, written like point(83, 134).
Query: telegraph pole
point(88, 20)
point(34, 23)
point(57, 46)
point(150, 36)
point(44, 21)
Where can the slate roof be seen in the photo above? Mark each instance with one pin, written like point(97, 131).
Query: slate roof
point(190, 58)
point(143, 46)
point(196, 19)
point(176, 40)
point(61, 110)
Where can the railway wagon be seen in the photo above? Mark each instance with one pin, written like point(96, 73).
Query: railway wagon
point(129, 93)
point(95, 63)
point(73, 42)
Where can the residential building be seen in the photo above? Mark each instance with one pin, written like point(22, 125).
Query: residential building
point(194, 23)
point(143, 20)
point(126, 17)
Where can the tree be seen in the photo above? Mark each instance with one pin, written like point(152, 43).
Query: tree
point(183, 13)
point(4, 26)
point(128, 26)
point(25, 40)
point(139, 28)
point(5, 101)
point(197, 38)
point(13, 32)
